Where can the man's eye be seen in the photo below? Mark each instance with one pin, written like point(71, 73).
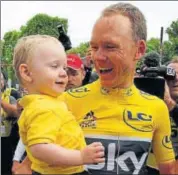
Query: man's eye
point(110, 46)
point(94, 47)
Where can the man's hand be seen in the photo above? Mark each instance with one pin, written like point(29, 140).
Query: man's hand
point(167, 98)
point(10, 109)
point(93, 153)
point(24, 167)
point(168, 168)
point(15, 166)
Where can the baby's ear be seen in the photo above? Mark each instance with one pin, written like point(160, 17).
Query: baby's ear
point(25, 73)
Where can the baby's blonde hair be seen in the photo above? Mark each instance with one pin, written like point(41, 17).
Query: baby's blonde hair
point(25, 48)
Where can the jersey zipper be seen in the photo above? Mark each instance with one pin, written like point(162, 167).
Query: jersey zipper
point(118, 148)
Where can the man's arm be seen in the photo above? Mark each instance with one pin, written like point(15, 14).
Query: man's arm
point(10, 109)
point(167, 98)
point(19, 152)
point(171, 104)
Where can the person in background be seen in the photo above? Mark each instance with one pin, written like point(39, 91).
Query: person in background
point(91, 74)
point(10, 90)
point(8, 115)
point(14, 136)
point(75, 71)
point(171, 100)
point(53, 140)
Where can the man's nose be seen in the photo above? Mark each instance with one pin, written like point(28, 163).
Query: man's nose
point(70, 78)
point(99, 55)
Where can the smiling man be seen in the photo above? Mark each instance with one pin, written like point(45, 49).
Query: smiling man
point(112, 110)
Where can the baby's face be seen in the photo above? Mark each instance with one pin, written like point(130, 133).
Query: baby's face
point(48, 69)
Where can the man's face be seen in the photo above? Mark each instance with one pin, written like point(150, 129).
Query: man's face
point(75, 78)
point(114, 51)
point(173, 84)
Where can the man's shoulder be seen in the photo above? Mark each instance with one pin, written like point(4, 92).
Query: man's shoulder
point(151, 101)
point(155, 107)
point(149, 97)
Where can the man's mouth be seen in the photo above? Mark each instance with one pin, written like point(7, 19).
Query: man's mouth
point(105, 70)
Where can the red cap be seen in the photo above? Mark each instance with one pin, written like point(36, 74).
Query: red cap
point(74, 61)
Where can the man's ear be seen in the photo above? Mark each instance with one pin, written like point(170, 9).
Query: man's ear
point(25, 73)
point(83, 73)
point(141, 49)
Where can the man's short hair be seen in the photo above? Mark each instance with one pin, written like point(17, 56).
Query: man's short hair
point(137, 19)
point(25, 48)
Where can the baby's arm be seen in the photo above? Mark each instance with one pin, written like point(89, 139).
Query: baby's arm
point(56, 155)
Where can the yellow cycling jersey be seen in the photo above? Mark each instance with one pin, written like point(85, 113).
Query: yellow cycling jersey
point(126, 121)
point(46, 120)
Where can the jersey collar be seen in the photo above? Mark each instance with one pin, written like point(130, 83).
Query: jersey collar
point(119, 91)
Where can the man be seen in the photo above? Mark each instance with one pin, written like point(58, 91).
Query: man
point(112, 110)
point(75, 71)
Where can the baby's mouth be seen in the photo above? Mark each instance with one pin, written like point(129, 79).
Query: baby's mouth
point(60, 82)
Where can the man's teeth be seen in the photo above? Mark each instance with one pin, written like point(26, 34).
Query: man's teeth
point(105, 70)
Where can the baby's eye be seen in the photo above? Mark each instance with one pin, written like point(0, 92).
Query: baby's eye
point(54, 66)
point(65, 68)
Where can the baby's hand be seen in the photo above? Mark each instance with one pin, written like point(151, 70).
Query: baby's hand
point(93, 153)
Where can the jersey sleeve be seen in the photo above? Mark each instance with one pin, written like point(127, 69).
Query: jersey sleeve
point(162, 145)
point(42, 127)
